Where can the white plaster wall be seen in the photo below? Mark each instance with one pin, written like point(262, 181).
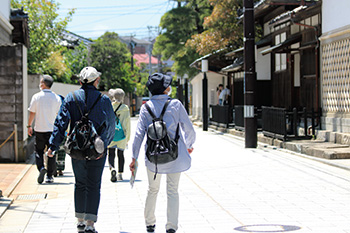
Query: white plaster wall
point(63, 89)
point(5, 8)
point(263, 65)
point(335, 14)
point(196, 83)
point(214, 80)
point(58, 88)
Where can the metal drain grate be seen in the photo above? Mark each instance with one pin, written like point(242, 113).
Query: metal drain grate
point(32, 196)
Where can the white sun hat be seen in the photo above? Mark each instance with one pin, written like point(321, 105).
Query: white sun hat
point(89, 74)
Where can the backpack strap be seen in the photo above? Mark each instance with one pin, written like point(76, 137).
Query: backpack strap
point(150, 111)
point(177, 135)
point(76, 102)
point(164, 109)
point(81, 112)
point(98, 98)
point(115, 111)
point(161, 114)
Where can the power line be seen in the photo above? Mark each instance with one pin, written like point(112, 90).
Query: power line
point(102, 7)
point(115, 29)
point(153, 16)
point(128, 13)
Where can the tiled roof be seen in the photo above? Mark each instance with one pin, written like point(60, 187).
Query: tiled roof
point(144, 58)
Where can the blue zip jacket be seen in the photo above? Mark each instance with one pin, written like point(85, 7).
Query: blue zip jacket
point(101, 115)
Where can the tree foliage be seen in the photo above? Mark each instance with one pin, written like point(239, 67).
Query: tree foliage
point(110, 56)
point(221, 28)
point(45, 52)
point(178, 25)
point(75, 59)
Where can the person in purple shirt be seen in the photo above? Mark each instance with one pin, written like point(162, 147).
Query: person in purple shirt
point(159, 86)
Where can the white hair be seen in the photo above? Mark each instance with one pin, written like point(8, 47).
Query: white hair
point(117, 94)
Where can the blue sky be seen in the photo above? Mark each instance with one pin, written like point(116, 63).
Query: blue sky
point(93, 18)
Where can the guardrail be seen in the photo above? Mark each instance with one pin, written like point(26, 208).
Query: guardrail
point(279, 123)
point(15, 141)
point(239, 117)
point(221, 114)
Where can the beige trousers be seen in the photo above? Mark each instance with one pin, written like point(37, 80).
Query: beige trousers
point(172, 184)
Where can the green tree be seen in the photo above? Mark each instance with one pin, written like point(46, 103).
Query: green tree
point(178, 25)
point(110, 56)
point(45, 52)
point(75, 59)
point(221, 28)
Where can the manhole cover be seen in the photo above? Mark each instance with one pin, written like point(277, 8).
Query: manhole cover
point(267, 228)
point(32, 196)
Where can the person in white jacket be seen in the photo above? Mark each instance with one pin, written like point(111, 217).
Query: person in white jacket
point(123, 113)
point(159, 86)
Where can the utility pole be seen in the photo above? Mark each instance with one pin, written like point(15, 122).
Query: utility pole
point(132, 48)
point(249, 75)
point(205, 68)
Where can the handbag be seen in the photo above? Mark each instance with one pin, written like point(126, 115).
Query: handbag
point(119, 132)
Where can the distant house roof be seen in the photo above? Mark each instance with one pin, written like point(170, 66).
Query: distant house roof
point(19, 21)
point(70, 39)
point(263, 7)
point(144, 58)
point(217, 60)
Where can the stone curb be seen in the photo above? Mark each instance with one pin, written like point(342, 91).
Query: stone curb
point(5, 202)
point(321, 151)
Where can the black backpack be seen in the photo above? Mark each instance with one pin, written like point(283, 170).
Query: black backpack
point(160, 147)
point(84, 142)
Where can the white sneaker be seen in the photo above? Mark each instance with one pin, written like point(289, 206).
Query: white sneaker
point(49, 179)
point(119, 177)
point(81, 227)
point(90, 229)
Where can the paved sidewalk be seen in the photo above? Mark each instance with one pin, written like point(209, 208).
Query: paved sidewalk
point(10, 175)
point(228, 189)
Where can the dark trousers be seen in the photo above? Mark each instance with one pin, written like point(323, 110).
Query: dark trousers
point(121, 160)
point(42, 141)
point(88, 176)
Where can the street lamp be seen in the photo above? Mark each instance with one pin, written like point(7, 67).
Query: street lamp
point(205, 94)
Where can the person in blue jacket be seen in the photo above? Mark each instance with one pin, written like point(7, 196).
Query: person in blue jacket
point(88, 173)
point(159, 86)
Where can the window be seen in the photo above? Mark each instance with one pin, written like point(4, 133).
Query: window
point(280, 58)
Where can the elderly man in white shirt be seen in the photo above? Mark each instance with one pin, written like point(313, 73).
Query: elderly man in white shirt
point(43, 109)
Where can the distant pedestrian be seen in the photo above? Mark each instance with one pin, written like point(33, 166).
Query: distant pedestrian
point(224, 96)
point(88, 173)
point(43, 109)
point(219, 90)
point(122, 111)
point(175, 116)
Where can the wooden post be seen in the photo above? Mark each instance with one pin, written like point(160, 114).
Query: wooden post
point(305, 121)
point(15, 142)
point(295, 122)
